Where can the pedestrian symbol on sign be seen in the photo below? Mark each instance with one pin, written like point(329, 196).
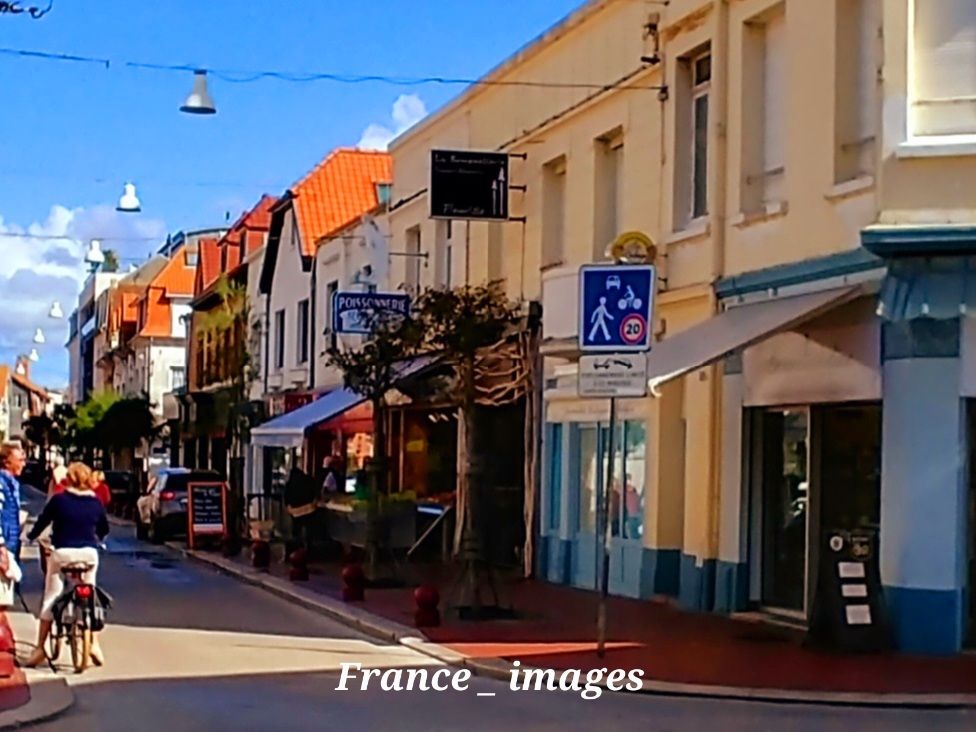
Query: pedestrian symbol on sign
point(615, 307)
point(599, 320)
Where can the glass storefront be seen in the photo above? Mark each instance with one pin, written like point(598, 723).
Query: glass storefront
point(814, 469)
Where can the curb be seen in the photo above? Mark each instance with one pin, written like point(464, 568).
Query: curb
point(390, 631)
point(49, 699)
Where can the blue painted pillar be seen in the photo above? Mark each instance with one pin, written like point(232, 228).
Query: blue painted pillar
point(924, 485)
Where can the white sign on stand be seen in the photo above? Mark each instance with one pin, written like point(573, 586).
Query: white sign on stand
point(613, 375)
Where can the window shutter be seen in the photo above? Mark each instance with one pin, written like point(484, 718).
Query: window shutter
point(944, 67)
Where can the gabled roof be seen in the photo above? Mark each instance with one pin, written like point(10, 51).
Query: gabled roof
point(337, 191)
point(178, 275)
point(158, 322)
point(208, 265)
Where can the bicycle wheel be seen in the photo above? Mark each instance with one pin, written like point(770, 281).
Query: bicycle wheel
point(54, 643)
point(81, 643)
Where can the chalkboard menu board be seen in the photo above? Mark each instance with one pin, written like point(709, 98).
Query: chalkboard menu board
point(849, 612)
point(206, 510)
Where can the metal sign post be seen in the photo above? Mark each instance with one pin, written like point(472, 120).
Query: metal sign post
point(616, 314)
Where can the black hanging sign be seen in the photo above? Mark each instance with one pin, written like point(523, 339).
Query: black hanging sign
point(206, 510)
point(467, 184)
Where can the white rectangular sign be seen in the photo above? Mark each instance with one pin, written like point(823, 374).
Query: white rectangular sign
point(613, 375)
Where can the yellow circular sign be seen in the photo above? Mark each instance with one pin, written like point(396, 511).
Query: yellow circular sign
point(633, 246)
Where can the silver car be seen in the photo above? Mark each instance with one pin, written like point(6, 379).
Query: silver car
point(162, 508)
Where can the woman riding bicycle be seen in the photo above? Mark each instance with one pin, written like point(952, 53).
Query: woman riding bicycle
point(79, 524)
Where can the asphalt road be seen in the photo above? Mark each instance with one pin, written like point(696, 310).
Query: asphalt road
point(188, 649)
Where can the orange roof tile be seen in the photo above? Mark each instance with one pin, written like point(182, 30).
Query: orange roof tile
point(177, 277)
point(4, 378)
point(338, 191)
point(208, 265)
point(26, 383)
point(159, 323)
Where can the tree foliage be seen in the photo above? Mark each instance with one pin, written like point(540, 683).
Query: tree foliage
point(111, 263)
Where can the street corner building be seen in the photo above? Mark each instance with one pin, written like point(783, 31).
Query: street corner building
point(812, 367)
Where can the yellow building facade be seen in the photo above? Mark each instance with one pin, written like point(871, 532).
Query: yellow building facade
point(801, 167)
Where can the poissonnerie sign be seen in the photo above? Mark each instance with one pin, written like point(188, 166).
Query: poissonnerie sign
point(353, 312)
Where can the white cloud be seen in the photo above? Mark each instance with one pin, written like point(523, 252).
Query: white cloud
point(48, 265)
point(408, 110)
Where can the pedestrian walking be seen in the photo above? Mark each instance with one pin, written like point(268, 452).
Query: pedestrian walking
point(12, 462)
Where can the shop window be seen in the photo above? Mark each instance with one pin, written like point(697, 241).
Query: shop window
point(554, 488)
point(943, 68)
point(413, 259)
point(589, 477)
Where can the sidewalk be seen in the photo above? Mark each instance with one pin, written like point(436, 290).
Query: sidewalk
point(680, 652)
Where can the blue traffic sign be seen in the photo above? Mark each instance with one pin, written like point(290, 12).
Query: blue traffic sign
point(352, 312)
point(616, 307)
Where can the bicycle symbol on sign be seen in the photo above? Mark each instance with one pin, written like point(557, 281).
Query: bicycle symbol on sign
point(629, 301)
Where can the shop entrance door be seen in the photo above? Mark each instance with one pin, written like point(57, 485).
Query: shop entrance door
point(971, 526)
point(816, 468)
point(785, 470)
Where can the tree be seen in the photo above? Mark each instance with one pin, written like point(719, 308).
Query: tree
point(460, 324)
point(86, 419)
point(111, 263)
point(229, 324)
point(372, 371)
point(124, 426)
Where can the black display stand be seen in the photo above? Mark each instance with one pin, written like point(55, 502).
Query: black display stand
point(849, 611)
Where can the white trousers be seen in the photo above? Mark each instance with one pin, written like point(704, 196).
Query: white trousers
point(54, 582)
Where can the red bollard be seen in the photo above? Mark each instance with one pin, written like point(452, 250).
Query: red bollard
point(427, 615)
point(260, 554)
point(354, 583)
point(298, 560)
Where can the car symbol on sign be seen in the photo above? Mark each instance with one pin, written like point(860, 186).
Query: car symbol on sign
point(613, 282)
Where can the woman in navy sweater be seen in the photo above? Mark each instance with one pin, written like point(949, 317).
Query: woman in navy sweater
point(78, 525)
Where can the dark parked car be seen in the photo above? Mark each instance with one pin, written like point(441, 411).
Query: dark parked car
point(161, 510)
point(124, 487)
point(34, 475)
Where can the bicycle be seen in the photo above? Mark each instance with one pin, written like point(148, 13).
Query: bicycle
point(78, 613)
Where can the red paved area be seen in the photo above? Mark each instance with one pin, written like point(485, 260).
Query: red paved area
point(556, 629)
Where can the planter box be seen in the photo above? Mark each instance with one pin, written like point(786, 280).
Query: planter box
point(397, 524)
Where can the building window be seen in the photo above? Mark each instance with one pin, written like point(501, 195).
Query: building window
point(609, 190)
point(192, 257)
point(763, 117)
point(412, 280)
point(177, 377)
point(858, 30)
point(279, 339)
point(302, 332)
point(693, 82)
point(330, 290)
point(554, 489)
point(943, 68)
point(553, 211)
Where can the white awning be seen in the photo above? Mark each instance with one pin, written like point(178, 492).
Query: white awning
point(736, 328)
point(288, 430)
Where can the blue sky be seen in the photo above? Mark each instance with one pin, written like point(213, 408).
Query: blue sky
point(72, 134)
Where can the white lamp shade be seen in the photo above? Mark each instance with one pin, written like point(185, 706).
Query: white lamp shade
point(39, 336)
point(56, 312)
point(94, 256)
point(34, 356)
point(21, 369)
point(199, 101)
point(129, 202)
